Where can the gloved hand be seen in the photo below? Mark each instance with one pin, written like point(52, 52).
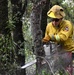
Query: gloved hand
point(54, 37)
point(46, 39)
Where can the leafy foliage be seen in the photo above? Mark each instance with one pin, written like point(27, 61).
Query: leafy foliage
point(7, 54)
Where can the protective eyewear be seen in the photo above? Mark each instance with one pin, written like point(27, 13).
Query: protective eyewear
point(55, 19)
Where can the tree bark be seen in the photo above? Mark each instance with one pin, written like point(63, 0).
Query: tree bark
point(36, 31)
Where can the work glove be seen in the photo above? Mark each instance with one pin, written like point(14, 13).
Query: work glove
point(46, 39)
point(55, 37)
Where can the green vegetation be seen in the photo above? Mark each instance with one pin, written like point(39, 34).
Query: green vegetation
point(8, 55)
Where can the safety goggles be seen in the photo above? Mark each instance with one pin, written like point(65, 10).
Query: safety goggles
point(55, 19)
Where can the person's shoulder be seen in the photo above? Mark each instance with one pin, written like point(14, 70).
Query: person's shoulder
point(67, 22)
point(49, 24)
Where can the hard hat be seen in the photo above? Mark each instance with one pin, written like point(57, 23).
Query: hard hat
point(56, 12)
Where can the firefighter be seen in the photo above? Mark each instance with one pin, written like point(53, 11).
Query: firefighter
point(60, 31)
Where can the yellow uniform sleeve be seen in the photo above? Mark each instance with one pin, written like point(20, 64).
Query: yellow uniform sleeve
point(64, 33)
point(47, 37)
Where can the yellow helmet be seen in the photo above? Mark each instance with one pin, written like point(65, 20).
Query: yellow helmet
point(56, 12)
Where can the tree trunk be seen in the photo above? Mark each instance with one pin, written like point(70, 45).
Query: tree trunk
point(36, 31)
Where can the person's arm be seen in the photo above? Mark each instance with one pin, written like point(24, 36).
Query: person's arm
point(64, 33)
point(46, 38)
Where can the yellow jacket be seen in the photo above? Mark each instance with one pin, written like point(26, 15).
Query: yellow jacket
point(62, 34)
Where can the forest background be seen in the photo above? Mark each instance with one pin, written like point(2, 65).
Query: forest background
point(22, 26)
